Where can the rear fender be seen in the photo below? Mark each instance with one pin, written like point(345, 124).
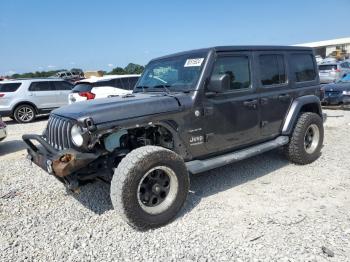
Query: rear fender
point(309, 103)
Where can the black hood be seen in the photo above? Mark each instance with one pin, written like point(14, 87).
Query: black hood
point(120, 108)
point(340, 86)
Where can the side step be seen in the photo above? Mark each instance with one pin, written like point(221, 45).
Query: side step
point(199, 166)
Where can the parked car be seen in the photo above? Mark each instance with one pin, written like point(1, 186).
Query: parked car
point(329, 60)
point(332, 72)
point(24, 99)
point(319, 59)
point(70, 76)
point(337, 93)
point(190, 112)
point(3, 132)
point(102, 87)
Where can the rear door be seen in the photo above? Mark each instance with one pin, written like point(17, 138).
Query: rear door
point(231, 117)
point(274, 90)
point(62, 91)
point(43, 95)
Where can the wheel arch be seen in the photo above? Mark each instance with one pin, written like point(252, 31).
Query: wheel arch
point(25, 103)
point(179, 145)
point(309, 103)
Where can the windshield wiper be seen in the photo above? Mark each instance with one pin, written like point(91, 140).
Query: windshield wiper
point(165, 87)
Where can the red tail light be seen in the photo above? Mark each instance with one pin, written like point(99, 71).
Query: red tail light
point(88, 95)
point(337, 70)
point(1, 95)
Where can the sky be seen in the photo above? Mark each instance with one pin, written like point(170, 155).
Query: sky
point(38, 35)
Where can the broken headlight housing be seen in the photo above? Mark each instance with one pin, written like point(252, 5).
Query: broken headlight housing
point(77, 135)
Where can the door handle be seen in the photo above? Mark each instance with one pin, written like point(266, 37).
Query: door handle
point(284, 97)
point(251, 103)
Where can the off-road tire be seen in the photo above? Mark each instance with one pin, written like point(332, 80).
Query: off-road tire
point(17, 113)
point(295, 149)
point(127, 178)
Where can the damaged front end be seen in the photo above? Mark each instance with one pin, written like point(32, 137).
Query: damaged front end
point(63, 164)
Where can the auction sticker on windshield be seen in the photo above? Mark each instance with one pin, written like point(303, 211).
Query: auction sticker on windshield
point(194, 62)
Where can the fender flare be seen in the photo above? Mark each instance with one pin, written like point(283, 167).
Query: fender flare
point(295, 110)
point(180, 146)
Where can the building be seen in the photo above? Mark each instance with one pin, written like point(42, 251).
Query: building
point(339, 48)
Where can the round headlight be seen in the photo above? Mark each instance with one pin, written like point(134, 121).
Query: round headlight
point(76, 133)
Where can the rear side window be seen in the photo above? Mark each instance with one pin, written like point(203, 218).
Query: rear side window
point(103, 83)
point(132, 82)
point(62, 85)
point(11, 87)
point(304, 68)
point(125, 83)
point(272, 70)
point(121, 83)
point(237, 67)
point(82, 87)
point(41, 86)
point(327, 67)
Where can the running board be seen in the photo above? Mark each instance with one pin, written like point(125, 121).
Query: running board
point(199, 166)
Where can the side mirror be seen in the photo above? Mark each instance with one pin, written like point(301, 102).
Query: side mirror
point(219, 83)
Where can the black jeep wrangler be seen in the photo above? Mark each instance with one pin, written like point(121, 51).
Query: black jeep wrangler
point(190, 112)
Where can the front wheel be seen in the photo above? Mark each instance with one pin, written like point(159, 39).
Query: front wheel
point(307, 139)
point(149, 187)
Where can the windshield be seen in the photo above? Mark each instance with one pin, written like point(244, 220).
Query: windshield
point(345, 79)
point(175, 74)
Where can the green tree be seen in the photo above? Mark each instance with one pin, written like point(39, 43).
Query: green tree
point(117, 71)
point(133, 69)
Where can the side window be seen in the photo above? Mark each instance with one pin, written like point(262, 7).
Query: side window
point(104, 83)
point(62, 85)
point(122, 83)
point(125, 83)
point(237, 67)
point(133, 81)
point(118, 83)
point(40, 86)
point(304, 68)
point(272, 70)
point(11, 87)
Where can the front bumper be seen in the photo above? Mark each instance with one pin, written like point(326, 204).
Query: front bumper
point(336, 100)
point(58, 163)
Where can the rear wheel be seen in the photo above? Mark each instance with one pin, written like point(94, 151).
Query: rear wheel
point(24, 113)
point(307, 139)
point(149, 187)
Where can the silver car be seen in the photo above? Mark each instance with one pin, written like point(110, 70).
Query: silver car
point(332, 72)
point(24, 99)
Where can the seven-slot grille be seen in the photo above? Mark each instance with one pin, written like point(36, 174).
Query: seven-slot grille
point(57, 132)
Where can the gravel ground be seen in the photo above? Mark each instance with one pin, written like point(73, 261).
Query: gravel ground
point(261, 209)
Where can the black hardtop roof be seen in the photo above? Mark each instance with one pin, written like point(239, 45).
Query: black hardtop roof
point(241, 48)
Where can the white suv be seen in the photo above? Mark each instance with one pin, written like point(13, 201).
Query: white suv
point(24, 99)
point(102, 87)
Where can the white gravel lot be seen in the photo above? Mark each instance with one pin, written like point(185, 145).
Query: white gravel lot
point(261, 209)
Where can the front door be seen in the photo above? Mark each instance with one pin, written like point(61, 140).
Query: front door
point(231, 118)
point(42, 95)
